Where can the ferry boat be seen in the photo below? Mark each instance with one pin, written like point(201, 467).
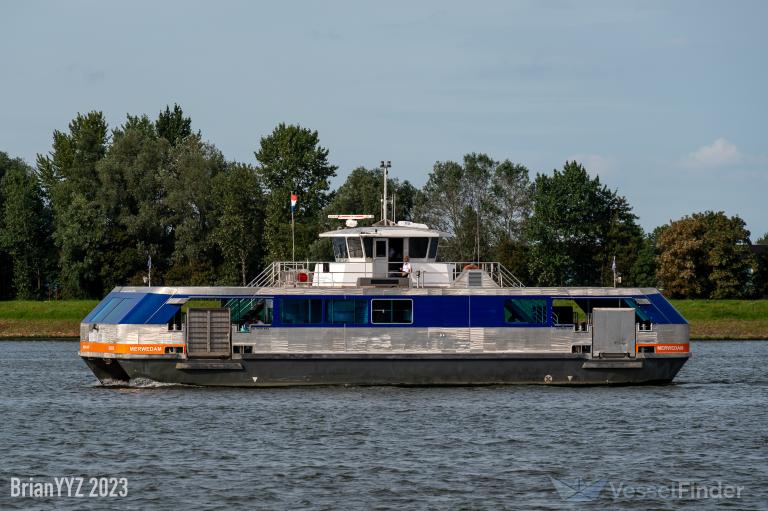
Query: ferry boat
point(365, 319)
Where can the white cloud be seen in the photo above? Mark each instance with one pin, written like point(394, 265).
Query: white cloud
point(718, 154)
point(595, 164)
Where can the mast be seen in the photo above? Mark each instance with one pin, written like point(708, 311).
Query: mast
point(385, 167)
point(394, 207)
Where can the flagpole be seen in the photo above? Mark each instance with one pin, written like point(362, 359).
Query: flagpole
point(293, 232)
point(293, 240)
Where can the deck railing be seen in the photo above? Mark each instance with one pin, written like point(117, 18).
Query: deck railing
point(302, 273)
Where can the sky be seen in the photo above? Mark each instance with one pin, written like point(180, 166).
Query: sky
point(666, 101)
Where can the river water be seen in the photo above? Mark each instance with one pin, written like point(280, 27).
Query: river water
point(171, 447)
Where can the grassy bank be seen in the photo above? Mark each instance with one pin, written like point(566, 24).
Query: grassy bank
point(725, 319)
point(709, 319)
point(43, 319)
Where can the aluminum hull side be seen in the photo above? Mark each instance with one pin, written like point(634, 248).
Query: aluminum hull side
point(300, 370)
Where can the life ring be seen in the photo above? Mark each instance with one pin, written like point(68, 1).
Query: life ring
point(302, 276)
point(471, 267)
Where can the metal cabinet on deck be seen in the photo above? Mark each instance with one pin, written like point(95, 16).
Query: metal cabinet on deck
point(208, 333)
point(613, 332)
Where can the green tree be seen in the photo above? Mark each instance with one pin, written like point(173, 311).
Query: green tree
point(760, 277)
point(71, 165)
point(705, 255)
point(70, 185)
point(24, 228)
point(172, 125)
point(483, 204)
point(362, 191)
point(643, 273)
point(6, 265)
point(577, 227)
point(189, 211)
point(512, 203)
point(512, 197)
point(404, 198)
point(292, 160)
point(441, 203)
point(130, 197)
point(239, 210)
point(80, 233)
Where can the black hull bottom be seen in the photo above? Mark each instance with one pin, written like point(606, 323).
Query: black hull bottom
point(295, 370)
point(107, 370)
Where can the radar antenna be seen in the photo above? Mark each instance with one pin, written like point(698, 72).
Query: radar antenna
point(351, 220)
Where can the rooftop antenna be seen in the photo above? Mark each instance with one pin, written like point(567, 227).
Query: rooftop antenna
point(394, 209)
point(385, 167)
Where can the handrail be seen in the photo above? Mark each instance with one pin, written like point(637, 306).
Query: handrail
point(286, 273)
point(497, 271)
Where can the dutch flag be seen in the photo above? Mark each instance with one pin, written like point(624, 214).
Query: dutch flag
point(294, 200)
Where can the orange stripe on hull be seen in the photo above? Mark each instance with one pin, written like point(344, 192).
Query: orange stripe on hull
point(126, 349)
point(668, 348)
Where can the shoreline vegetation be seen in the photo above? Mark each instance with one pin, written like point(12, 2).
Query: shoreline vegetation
point(709, 319)
point(106, 206)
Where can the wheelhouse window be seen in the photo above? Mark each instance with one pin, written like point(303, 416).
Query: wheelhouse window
point(433, 248)
point(301, 311)
point(347, 311)
point(368, 246)
point(418, 247)
point(339, 248)
point(392, 311)
point(355, 247)
point(525, 310)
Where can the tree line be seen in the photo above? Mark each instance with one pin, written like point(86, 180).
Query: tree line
point(102, 203)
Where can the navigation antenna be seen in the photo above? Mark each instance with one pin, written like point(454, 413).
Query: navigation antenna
point(385, 168)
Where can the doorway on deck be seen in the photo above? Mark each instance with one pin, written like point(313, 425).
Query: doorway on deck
point(395, 256)
point(380, 258)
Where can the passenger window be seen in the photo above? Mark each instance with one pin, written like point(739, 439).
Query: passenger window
point(118, 312)
point(353, 311)
point(106, 309)
point(392, 311)
point(300, 311)
point(250, 312)
point(525, 310)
